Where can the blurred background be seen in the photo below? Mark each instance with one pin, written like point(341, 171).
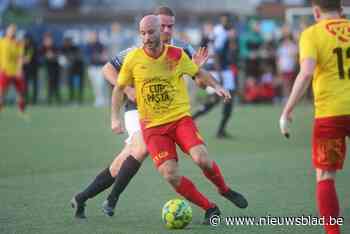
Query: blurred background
point(263, 42)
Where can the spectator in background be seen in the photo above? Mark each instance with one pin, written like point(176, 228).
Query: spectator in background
point(287, 53)
point(268, 56)
point(207, 36)
point(115, 41)
point(267, 83)
point(74, 70)
point(97, 56)
point(263, 91)
point(50, 54)
point(78, 75)
point(251, 42)
point(30, 68)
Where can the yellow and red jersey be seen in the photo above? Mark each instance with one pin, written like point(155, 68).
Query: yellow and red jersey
point(11, 54)
point(161, 92)
point(328, 42)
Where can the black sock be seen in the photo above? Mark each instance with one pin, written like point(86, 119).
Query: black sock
point(102, 181)
point(226, 114)
point(126, 172)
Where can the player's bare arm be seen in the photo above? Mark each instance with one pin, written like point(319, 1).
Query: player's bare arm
point(301, 84)
point(129, 91)
point(116, 104)
point(208, 80)
point(111, 75)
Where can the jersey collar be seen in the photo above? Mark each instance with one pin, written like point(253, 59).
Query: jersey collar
point(165, 48)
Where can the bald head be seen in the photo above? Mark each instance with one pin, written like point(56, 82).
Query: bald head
point(11, 31)
point(150, 31)
point(150, 21)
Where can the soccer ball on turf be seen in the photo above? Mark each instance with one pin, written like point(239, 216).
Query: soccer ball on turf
point(176, 214)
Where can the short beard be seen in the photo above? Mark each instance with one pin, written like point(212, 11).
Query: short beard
point(155, 46)
point(156, 43)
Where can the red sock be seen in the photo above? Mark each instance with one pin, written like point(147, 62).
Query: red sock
point(21, 105)
point(216, 178)
point(328, 204)
point(189, 191)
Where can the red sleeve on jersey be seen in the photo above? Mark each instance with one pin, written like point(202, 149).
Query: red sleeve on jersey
point(174, 53)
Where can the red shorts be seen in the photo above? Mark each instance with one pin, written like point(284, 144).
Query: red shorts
point(161, 140)
point(328, 142)
point(6, 80)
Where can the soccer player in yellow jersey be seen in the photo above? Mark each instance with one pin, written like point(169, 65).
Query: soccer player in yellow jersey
point(11, 58)
point(325, 60)
point(156, 71)
point(127, 163)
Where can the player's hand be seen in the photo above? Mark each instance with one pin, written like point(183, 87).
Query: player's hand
point(117, 126)
point(201, 56)
point(130, 93)
point(285, 121)
point(221, 92)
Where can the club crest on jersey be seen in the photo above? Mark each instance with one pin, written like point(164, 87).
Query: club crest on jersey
point(158, 94)
point(340, 29)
